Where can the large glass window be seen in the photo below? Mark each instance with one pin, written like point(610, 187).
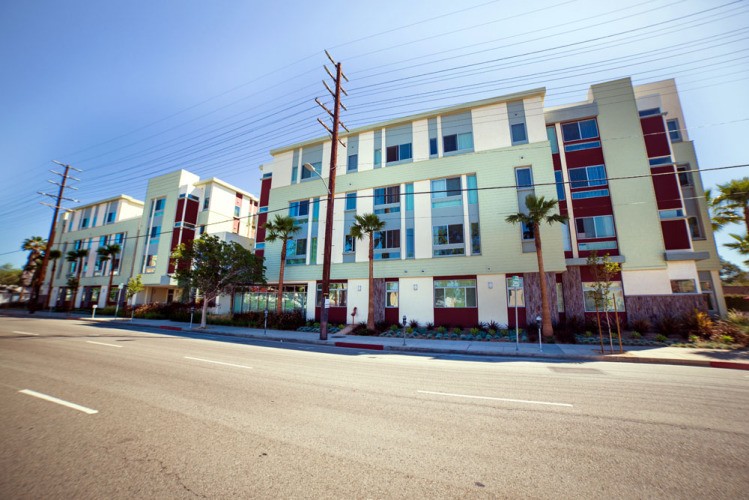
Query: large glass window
point(296, 252)
point(306, 174)
point(387, 244)
point(338, 294)
point(475, 239)
point(387, 195)
point(560, 184)
point(391, 294)
point(519, 135)
point(353, 163)
point(615, 294)
point(575, 131)
point(349, 244)
point(587, 176)
point(454, 293)
point(674, 132)
point(595, 227)
point(457, 142)
point(551, 133)
point(398, 153)
point(683, 286)
point(523, 177)
point(299, 208)
point(350, 201)
point(447, 235)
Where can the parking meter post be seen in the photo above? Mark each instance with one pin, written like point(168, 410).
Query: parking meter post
point(192, 311)
point(93, 311)
point(119, 298)
point(404, 329)
point(265, 327)
point(540, 345)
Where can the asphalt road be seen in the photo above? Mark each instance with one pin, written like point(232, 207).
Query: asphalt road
point(184, 416)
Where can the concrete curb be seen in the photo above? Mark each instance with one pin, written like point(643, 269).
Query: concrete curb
point(611, 358)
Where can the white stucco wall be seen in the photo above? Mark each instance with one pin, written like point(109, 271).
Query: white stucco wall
point(683, 270)
point(416, 304)
point(359, 299)
point(420, 140)
point(534, 119)
point(487, 122)
point(492, 302)
point(366, 151)
point(655, 282)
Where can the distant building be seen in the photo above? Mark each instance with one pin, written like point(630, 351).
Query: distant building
point(179, 207)
point(444, 181)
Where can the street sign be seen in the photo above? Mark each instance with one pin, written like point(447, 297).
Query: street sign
point(515, 283)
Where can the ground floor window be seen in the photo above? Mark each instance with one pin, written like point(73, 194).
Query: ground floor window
point(260, 298)
point(615, 293)
point(391, 294)
point(683, 286)
point(338, 294)
point(454, 293)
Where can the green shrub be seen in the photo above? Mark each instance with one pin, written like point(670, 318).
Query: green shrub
point(441, 329)
point(636, 335)
point(641, 325)
point(726, 339)
point(429, 325)
point(475, 331)
point(457, 330)
point(669, 325)
point(661, 338)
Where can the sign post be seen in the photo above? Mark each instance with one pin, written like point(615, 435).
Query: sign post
point(119, 297)
point(515, 286)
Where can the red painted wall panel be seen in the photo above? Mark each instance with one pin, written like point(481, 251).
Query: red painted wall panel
point(557, 161)
point(261, 220)
point(584, 158)
point(590, 207)
point(656, 140)
point(667, 191)
point(191, 214)
point(180, 207)
point(675, 234)
point(265, 191)
point(465, 317)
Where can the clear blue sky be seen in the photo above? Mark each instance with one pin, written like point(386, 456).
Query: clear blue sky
point(127, 90)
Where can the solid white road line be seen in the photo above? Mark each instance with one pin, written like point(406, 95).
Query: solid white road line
point(495, 399)
point(218, 362)
point(26, 333)
point(102, 343)
point(58, 401)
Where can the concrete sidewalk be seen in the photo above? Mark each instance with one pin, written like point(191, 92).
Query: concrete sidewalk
point(716, 358)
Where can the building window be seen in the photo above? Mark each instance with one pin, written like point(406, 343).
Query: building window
point(317, 166)
point(353, 163)
point(515, 295)
point(560, 184)
point(299, 208)
point(349, 244)
point(683, 286)
point(676, 213)
point(350, 201)
point(454, 293)
point(294, 174)
point(448, 240)
point(650, 112)
point(388, 195)
point(433, 147)
point(296, 252)
point(694, 228)
point(202, 229)
point(151, 263)
point(237, 211)
point(110, 217)
point(662, 160)
point(385, 242)
point(685, 176)
point(575, 131)
point(155, 231)
point(391, 294)
point(594, 193)
point(378, 157)
point(587, 176)
point(410, 245)
point(457, 142)
point(523, 177)
point(582, 146)
point(338, 294)
point(615, 294)
point(84, 223)
point(595, 227)
point(159, 206)
point(518, 133)
point(475, 239)
point(398, 153)
point(674, 132)
point(447, 192)
point(206, 203)
point(551, 133)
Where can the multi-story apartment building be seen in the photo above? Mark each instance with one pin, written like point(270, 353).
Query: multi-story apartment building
point(620, 163)
point(179, 207)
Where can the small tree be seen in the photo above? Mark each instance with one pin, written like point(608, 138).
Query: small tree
point(35, 246)
point(281, 228)
point(9, 275)
point(604, 272)
point(108, 253)
point(77, 256)
point(134, 286)
point(215, 267)
point(368, 224)
point(539, 210)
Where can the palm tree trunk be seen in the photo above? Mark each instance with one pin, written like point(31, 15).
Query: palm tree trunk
point(78, 284)
point(546, 327)
point(51, 281)
point(204, 312)
point(109, 288)
point(370, 309)
point(279, 295)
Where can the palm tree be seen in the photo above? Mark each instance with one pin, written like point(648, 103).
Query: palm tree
point(741, 245)
point(281, 228)
point(539, 210)
point(734, 198)
point(77, 256)
point(106, 253)
point(35, 246)
point(368, 224)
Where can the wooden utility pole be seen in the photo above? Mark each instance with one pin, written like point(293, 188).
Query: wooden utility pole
point(335, 115)
point(39, 281)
